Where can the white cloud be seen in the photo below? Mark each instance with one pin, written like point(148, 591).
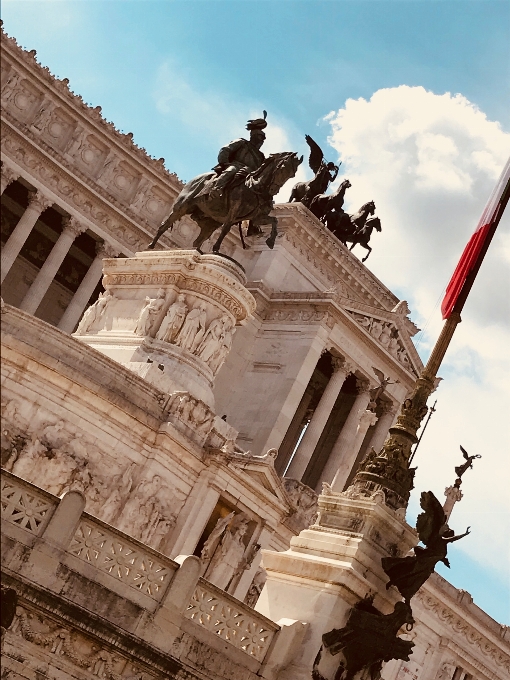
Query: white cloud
point(430, 162)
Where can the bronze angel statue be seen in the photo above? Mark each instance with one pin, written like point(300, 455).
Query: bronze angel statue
point(325, 173)
point(367, 640)
point(408, 574)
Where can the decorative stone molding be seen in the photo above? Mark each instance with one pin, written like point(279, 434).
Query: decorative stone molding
point(61, 641)
point(71, 193)
point(460, 627)
point(232, 621)
point(207, 660)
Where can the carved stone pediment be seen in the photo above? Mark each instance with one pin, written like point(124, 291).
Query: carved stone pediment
point(392, 331)
point(261, 470)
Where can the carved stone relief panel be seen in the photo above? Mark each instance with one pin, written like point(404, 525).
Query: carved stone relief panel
point(23, 99)
point(58, 129)
point(89, 154)
point(123, 180)
point(387, 335)
point(157, 204)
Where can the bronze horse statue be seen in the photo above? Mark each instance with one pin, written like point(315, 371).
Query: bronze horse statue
point(250, 197)
point(356, 228)
point(323, 203)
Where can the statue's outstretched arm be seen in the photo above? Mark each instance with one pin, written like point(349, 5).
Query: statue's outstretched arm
point(457, 538)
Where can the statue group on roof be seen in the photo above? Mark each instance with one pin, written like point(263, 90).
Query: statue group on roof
point(242, 185)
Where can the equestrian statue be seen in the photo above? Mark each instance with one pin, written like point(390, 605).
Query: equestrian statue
point(355, 229)
point(240, 187)
point(325, 173)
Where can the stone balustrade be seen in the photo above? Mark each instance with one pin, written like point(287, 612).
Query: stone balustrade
point(223, 615)
point(81, 538)
point(26, 506)
point(123, 558)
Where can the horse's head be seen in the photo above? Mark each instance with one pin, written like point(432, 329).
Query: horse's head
point(285, 167)
point(374, 223)
point(368, 208)
point(345, 184)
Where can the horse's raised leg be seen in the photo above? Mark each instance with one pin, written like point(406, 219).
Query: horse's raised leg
point(274, 233)
point(167, 224)
point(369, 251)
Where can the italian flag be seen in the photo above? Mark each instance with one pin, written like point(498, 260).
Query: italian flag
point(474, 252)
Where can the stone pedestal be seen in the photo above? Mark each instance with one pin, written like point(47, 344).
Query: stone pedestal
point(169, 316)
point(331, 566)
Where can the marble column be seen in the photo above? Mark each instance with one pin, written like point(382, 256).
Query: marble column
point(37, 204)
point(9, 175)
point(304, 453)
point(366, 419)
point(44, 278)
point(342, 448)
point(77, 305)
point(383, 425)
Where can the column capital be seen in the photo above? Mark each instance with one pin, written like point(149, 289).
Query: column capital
point(9, 174)
point(104, 249)
point(388, 407)
point(363, 385)
point(39, 201)
point(343, 365)
point(73, 226)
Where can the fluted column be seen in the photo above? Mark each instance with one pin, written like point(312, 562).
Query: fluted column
point(87, 286)
point(366, 419)
point(304, 453)
point(43, 280)
point(37, 204)
point(9, 175)
point(345, 440)
point(383, 425)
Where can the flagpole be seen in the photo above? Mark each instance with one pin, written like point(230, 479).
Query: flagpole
point(388, 470)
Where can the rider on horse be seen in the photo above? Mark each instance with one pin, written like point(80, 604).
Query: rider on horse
point(238, 158)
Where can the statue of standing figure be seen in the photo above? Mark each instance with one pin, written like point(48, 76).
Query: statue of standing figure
point(228, 554)
point(219, 356)
point(149, 313)
point(193, 329)
point(172, 323)
point(94, 312)
point(211, 341)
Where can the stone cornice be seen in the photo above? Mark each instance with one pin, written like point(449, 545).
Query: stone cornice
point(333, 260)
point(328, 308)
point(73, 190)
point(455, 615)
point(91, 115)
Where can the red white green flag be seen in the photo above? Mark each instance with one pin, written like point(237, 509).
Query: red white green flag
point(474, 252)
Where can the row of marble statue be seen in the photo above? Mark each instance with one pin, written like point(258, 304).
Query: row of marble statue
point(181, 326)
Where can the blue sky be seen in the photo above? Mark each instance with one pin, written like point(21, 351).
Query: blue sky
point(184, 76)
